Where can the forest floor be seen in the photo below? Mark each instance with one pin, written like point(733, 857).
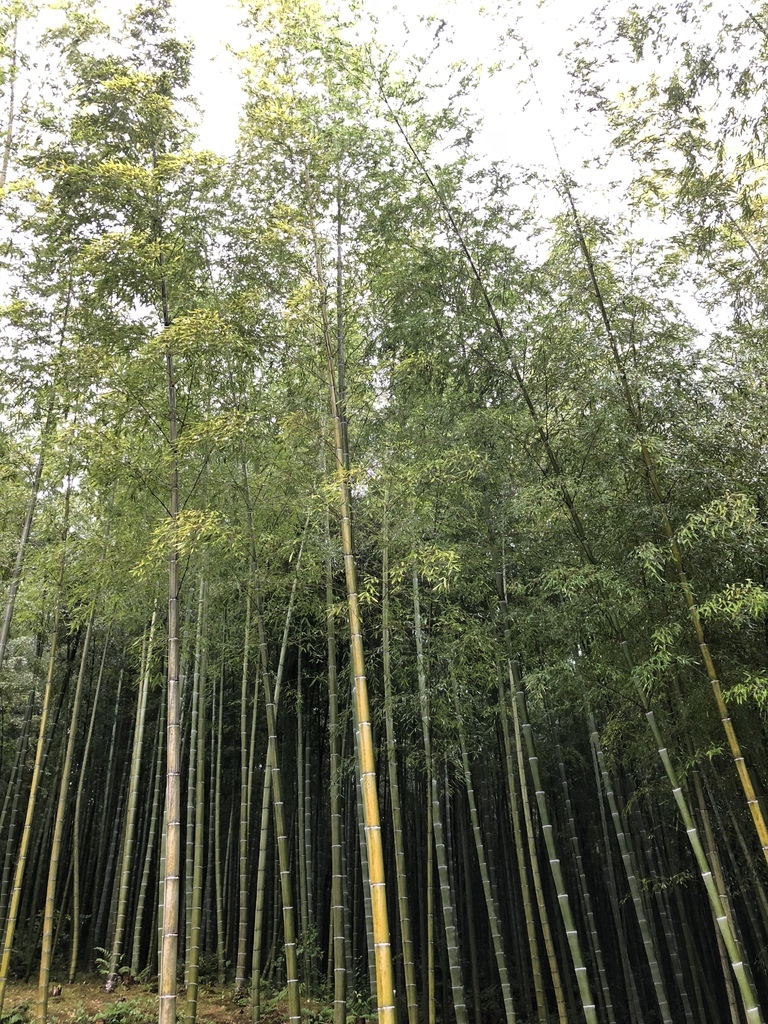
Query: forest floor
point(86, 1002)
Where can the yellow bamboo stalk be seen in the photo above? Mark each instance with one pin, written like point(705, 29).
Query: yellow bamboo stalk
point(385, 986)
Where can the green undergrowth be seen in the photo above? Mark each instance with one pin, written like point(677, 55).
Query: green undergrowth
point(128, 1011)
point(18, 1015)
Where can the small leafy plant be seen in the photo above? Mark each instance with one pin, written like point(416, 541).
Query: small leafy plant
point(104, 962)
point(127, 1011)
point(18, 1015)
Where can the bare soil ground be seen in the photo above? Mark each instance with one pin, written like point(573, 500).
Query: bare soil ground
point(86, 1002)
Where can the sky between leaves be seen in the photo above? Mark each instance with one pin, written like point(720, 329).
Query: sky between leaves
point(531, 116)
point(517, 120)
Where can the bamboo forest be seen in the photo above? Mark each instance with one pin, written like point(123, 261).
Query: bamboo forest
point(384, 524)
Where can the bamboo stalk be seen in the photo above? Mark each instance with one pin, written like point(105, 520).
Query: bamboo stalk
point(169, 946)
point(574, 944)
point(370, 942)
point(666, 923)
point(268, 792)
point(149, 852)
point(533, 855)
point(195, 910)
point(220, 903)
point(446, 894)
point(130, 821)
point(337, 868)
point(522, 864)
point(21, 861)
point(490, 901)
point(592, 933)
point(301, 814)
point(76, 821)
point(409, 966)
point(15, 786)
point(384, 974)
point(195, 740)
point(649, 947)
point(46, 954)
point(286, 888)
point(243, 835)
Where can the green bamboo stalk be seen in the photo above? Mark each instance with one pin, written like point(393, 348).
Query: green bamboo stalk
point(196, 907)
point(409, 966)
point(286, 888)
point(76, 820)
point(490, 901)
point(430, 929)
point(337, 866)
point(243, 892)
point(229, 882)
point(699, 978)
point(15, 786)
point(274, 973)
point(347, 882)
point(194, 742)
point(169, 945)
point(446, 895)
point(748, 995)
point(308, 857)
point(629, 981)
point(104, 829)
point(649, 946)
point(341, 926)
point(209, 909)
point(130, 821)
point(268, 793)
point(574, 944)
point(522, 864)
point(262, 646)
point(220, 904)
point(111, 877)
point(58, 832)
point(301, 814)
point(33, 901)
point(592, 933)
point(664, 916)
point(385, 987)
point(21, 861)
point(161, 892)
point(469, 911)
point(63, 916)
point(718, 876)
point(261, 889)
point(366, 887)
point(538, 887)
point(151, 838)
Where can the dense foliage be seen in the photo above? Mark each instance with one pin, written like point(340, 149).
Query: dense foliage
point(409, 547)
